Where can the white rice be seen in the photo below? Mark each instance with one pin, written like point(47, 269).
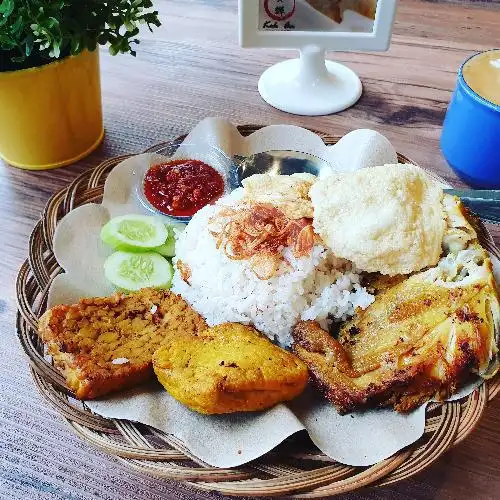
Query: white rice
point(318, 287)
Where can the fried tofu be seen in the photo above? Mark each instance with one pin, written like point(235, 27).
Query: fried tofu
point(420, 339)
point(228, 368)
point(102, 345)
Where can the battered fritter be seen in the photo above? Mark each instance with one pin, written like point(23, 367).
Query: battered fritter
point(105, 344)
point(228, 368)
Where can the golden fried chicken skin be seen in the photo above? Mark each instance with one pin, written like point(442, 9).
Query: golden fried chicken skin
point(105, 344)
point(228, 368)
point(420, 339)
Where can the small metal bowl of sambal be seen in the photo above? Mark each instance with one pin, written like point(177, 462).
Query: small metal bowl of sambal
point(193, 177)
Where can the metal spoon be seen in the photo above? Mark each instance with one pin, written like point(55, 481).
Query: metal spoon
point(279, 163)
point(484, 203)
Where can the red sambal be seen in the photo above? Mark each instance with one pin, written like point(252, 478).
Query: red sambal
point(182, 187)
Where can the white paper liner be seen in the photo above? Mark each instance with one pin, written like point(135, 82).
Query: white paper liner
point(359, 439)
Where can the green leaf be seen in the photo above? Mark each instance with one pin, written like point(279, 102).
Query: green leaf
point(51, 22)
point(75, 46)
point(6, 7)
point(28, 44)
point(17, 25)
point(32, 31)
point(103, 39)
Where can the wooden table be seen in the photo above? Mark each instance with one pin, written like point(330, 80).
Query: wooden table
point(191, 68)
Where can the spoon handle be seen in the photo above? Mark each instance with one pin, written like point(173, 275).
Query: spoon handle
point(475, 194)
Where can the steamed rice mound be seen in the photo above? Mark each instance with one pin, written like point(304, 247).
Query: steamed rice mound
point(318, 286)
point(386, 219)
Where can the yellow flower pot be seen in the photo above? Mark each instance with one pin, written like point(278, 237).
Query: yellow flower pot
point(51, 116)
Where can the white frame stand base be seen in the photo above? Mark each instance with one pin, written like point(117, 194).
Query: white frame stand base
point(311, 85)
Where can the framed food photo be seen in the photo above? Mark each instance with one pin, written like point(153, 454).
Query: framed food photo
point(312, 85)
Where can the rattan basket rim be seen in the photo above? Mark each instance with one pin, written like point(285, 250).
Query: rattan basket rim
point(294, 469)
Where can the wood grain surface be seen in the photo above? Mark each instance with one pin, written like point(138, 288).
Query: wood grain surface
point(191, 68)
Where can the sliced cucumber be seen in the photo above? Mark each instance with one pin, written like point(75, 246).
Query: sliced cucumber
point(176, 227)
point(168, 248)
point(134, 233)
point(131, 271)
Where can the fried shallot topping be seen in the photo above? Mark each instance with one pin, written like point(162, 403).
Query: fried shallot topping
point(184, 271)
point(259, 232)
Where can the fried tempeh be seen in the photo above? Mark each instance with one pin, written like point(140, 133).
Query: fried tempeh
point(102, 345)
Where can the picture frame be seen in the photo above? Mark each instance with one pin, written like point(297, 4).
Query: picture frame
point(312, 85)
point(378, 40)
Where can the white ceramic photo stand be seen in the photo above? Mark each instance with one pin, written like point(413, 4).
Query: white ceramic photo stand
point(310, 85)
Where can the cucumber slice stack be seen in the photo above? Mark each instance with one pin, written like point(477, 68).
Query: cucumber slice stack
point(142, 245)
point(132, 271)
point(134, 233)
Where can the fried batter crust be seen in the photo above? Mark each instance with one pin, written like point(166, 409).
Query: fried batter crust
point(228, 368)
point(85, 338)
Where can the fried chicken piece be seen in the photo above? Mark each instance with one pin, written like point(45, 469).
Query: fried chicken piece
point(420, 339)
point(228, 368)
point(102, 345)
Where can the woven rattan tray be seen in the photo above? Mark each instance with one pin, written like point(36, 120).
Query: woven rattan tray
point(295, 468)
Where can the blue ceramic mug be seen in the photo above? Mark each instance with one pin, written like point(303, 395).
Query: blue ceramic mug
point(470, 140)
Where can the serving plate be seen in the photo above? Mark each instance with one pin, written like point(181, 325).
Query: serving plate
point(294, 468)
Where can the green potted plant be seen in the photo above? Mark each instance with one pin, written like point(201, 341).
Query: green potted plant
point(50, 98)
